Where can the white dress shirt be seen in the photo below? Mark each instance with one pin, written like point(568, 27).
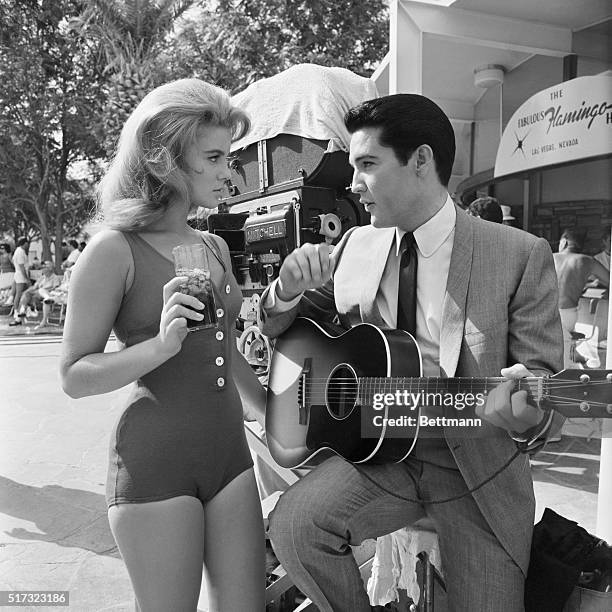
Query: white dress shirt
point(434, 241)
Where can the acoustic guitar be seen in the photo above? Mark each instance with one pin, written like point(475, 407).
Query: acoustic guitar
point(328, 386)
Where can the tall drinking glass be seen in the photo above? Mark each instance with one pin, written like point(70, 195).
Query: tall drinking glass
point(191, 260)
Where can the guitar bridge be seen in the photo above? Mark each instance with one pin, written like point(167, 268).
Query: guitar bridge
point(302, 407)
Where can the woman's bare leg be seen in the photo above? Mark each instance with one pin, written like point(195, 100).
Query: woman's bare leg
point(234, 548)
point(162, 544)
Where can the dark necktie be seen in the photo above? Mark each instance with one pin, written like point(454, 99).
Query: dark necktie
point(407, 298)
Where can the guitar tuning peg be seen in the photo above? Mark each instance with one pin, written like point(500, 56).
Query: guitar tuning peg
point(585, 378)
point(609, 377)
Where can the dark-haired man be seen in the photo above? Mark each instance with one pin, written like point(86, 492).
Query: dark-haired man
point(486, 299)
point(486, 208)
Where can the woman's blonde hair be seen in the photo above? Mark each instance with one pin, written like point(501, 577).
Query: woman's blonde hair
point(147, 172)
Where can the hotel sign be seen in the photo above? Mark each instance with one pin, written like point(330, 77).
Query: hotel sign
point(567, 122)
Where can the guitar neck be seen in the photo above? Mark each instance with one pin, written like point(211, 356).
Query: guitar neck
point(436, 384)
point(574, 394)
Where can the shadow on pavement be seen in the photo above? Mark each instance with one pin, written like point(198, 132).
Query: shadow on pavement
point(28, 328)
point(66, 517)
point(572, 462)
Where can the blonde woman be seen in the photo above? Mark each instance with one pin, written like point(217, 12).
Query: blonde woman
point(180, 490)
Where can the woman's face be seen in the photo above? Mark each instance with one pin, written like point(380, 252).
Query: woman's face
point(206, 165)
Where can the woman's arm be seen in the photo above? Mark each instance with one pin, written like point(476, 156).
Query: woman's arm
point(97, 287)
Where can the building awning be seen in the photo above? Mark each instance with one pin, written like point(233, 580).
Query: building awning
point(471, 183)
point(565, 123)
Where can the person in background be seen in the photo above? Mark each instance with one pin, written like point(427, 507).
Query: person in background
point(573, 271)
point(181, 492)
point(82, 245)
point(7, 275)
point(486, 208)
point(603, 257)
point(58, 295)
point(22, 275)
point(38, 292)
point(6, 265)
point(73, 256)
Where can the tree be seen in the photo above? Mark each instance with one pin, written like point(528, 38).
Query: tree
point(130, 34)
point(49, 95)
point(236, 42)
point(72, 70)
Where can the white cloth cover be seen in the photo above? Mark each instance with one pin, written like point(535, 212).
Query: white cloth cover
point(394, 565)
point(305, 100)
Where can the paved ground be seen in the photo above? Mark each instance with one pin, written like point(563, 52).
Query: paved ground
point(53, 529)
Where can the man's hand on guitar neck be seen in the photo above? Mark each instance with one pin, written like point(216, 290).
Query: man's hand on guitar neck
point(511, 411)
point(307, 267)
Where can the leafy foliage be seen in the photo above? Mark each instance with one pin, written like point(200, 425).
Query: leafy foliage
point(130, 35)
point(49, 99)
point(236, 42)
point(71, 71)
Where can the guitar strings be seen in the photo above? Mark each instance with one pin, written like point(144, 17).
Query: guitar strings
point(363, 395)
point(464, 382)
point(343, 391)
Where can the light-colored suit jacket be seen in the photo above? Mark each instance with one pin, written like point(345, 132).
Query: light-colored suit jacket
point(500, 308)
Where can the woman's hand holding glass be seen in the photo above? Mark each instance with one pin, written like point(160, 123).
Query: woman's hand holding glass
point(178, 307)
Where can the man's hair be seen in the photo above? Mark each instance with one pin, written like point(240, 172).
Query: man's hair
point(73, 243)
point(575, 239)
point(406, 122)
point(21, 241)
point(487, 208)
point(6, 246)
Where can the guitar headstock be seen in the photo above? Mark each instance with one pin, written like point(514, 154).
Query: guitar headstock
point(581, 393)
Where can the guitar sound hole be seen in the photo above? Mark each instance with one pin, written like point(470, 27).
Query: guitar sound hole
point(341, 393)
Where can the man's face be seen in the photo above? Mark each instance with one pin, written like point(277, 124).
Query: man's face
point(388, 189)
point(47, 267)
